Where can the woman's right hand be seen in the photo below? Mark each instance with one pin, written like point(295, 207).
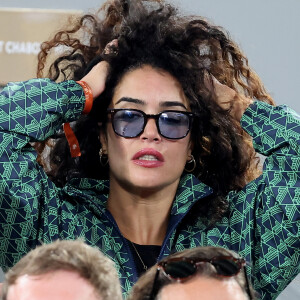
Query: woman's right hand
point(96, 78)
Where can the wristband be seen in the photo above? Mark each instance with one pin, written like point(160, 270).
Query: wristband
point(72, 140)
point(69, 133)
point(88, 96)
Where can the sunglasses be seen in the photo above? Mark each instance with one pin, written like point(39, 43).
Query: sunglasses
point(180, 269)
point(171, 124)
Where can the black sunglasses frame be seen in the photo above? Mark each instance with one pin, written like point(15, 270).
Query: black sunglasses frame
point(241, 263)
point(152, 116)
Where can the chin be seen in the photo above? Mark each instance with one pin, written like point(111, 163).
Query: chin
point(148, 184)
point(153, 182)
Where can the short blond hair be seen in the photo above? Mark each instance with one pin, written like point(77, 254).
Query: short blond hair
point(75, 256)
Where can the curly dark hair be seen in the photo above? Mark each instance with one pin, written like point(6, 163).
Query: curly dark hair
point(188, 47)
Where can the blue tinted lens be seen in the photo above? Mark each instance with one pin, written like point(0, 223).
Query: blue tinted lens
point(174, 125)
point(128, 123)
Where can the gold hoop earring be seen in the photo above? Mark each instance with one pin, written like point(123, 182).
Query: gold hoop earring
point(103, 158)
point(191, 161)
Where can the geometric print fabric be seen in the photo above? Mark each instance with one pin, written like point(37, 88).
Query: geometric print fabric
point(263, 223)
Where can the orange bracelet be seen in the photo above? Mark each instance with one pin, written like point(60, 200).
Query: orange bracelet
point(88, 97)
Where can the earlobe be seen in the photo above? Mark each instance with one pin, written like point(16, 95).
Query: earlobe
point(190, 165)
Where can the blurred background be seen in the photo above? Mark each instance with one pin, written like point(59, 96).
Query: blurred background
point(267, 31)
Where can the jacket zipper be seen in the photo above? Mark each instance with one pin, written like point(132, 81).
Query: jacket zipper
point(131, 260)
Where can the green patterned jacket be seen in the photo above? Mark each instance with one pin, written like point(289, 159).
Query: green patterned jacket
point(262, 224)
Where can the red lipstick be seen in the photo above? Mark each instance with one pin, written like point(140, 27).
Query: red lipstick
point(148, 158)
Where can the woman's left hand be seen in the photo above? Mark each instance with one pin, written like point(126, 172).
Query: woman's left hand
point(230, 100)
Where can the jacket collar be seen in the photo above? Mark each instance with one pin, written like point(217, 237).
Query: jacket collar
point(90, 191)
point(190, 190)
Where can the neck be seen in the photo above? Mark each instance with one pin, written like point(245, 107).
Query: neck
point(142, 214)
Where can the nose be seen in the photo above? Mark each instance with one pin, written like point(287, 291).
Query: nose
point(150, 132)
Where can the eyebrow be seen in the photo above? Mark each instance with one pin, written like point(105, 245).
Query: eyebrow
point(131, 100)
point(172, 103)
point(141, 102)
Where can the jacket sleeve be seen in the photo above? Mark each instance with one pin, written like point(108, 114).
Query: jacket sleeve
point(29, 111)
point(276, 225)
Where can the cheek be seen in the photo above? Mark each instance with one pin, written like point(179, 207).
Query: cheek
point(117, 147)
point(181, 149)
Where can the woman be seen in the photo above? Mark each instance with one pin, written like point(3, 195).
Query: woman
point(176, 169)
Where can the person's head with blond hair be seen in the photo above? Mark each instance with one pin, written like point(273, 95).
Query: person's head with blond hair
point(68, 270)
point(205, 272)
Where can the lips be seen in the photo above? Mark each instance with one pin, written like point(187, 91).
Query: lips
point(148, 158)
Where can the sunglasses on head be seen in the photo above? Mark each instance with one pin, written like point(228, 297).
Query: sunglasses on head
point(171, 124)
point(180, 269)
